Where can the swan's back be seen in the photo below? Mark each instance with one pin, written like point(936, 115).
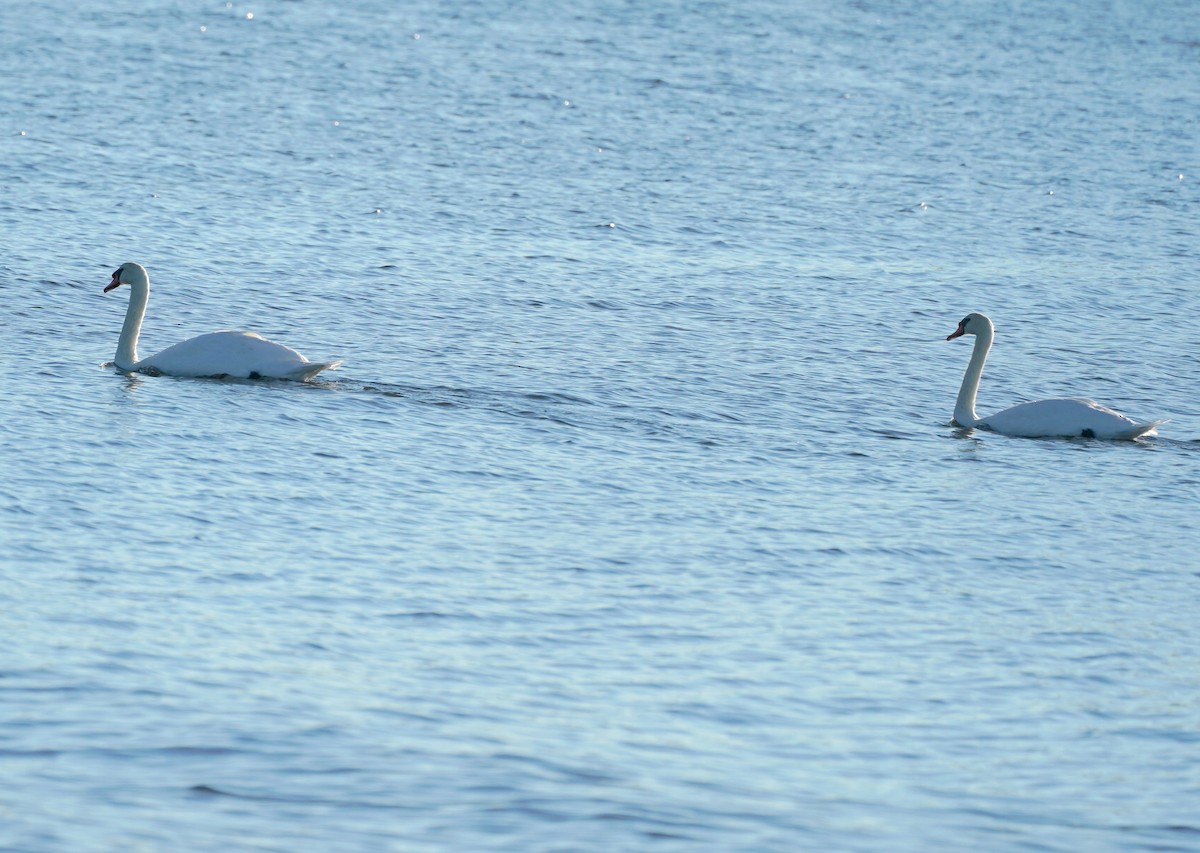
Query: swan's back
point(1066, 417)
point(241, 355)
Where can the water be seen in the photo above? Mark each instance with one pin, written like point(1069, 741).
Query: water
point(634, 520)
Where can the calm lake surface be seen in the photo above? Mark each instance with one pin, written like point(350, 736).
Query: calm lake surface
point(634, 519)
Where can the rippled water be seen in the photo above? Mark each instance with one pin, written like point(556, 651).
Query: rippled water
point(634, 519)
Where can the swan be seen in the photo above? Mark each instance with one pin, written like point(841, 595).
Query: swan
point(1060, 417)
point(242, 355)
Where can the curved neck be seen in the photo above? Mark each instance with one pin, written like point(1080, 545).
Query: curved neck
point(964, 406)
point(139, 294)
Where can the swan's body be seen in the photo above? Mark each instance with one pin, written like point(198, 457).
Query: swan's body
point(1058, 417)
point(242, 355)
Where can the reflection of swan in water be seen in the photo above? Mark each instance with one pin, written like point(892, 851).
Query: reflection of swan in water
point(1057, 417)
point(243, 355)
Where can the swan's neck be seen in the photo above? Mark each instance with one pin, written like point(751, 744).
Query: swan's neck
point(127, 354)
point(964, 407)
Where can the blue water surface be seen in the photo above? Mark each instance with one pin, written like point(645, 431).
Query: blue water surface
point(634, 519)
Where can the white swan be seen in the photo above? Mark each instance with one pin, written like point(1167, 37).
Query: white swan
point(1061, 417)
point(242, 355)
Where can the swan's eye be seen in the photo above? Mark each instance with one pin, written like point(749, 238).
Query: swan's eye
point(117, 272)
point(963, 322)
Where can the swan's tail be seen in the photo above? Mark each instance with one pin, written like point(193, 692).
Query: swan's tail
point(1138, 430)
point(304, 372)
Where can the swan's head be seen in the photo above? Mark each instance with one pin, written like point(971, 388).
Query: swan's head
point(127, 273)
point(972, 324)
